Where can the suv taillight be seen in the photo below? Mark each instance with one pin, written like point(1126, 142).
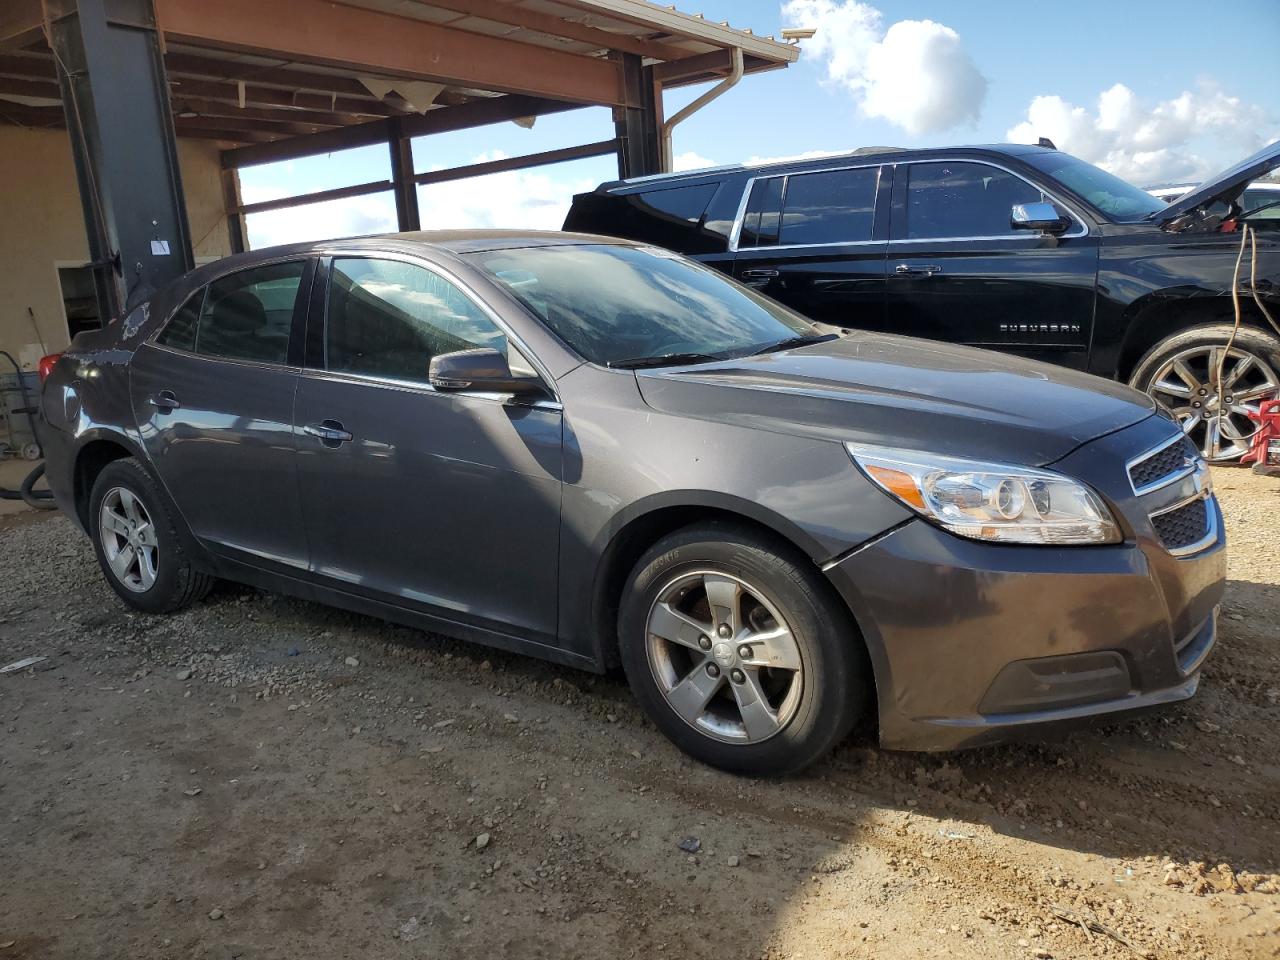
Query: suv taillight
point(47, 364)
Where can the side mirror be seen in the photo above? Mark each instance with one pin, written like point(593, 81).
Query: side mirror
point(483, 370)
point(1038, 216)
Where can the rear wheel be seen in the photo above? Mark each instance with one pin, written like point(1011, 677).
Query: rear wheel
point(136, 543)
point(736, 651)
point(1181, 373)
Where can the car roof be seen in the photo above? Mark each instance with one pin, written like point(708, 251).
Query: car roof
point(861, 155)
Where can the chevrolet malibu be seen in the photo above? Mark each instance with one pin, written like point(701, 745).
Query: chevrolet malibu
point(604, 454)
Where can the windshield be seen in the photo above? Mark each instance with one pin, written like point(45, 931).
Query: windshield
point(1118, 199)
point(615, 303)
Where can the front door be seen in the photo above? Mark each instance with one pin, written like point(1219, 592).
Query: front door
point(213, 397)
point(810, 240)
point(957, 271)
point(445, 502)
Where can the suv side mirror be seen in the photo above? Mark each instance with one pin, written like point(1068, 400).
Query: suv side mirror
point(482, 370)
point(1040, 216)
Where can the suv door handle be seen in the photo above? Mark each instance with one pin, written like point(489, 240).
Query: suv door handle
point(329, 432)
point(906, 270)
point(759, 273)
point(165, 401)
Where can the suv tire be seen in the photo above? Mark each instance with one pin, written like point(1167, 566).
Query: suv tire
point(1255, 353)
point(705, 678)
point(136, 543)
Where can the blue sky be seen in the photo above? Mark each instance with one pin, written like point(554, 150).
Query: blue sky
point(1151, 90)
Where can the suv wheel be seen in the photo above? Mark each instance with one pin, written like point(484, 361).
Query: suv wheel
point(136, 544)
point(1181, 374)
point(735, 650)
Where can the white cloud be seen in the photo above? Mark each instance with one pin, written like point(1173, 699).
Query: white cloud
point(351, 217)
point(916, 74)
point(1187, 137)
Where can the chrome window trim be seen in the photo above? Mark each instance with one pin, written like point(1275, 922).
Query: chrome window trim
point(1081, 224)
point(214, 358)
point(413, 386)
point(467, 291)
point(1165, 481)
point(1211, 523)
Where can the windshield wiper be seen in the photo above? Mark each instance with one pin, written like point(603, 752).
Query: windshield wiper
point(662, 360)
point(792, 342)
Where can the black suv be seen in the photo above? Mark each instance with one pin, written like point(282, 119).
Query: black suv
point(1023, 249)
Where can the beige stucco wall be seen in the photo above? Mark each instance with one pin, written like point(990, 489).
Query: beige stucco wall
point(42, 226)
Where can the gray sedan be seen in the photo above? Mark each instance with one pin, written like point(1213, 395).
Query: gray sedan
point(606, 455)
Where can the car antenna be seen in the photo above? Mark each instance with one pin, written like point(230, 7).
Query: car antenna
point(1046, 143)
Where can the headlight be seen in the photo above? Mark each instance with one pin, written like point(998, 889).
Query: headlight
point(990, 501)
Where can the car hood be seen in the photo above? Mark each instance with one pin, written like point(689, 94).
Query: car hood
point(896, 391)
point(1226, 182)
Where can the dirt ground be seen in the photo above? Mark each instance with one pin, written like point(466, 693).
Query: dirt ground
point(262, 777)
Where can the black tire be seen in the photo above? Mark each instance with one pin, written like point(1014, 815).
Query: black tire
point(1262, 345)
point(177, 584)
point(834, 675)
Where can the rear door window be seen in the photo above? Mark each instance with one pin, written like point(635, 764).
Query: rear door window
point(959, 200)
point(180, 331)
point(388, 318)
point(836, 206)
point(249, 315)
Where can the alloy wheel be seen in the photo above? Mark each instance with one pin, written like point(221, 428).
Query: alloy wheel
point(724, 657)
point(1215, 415)
point(128, 539)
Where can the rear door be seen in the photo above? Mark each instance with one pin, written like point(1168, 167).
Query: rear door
point(959, 272)
point(213, 397)
point(445, 502)
point(816, 241)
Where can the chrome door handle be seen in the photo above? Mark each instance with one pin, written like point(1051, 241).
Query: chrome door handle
point(906, 270)
point(329, 432)
point(165, 401)
point(759, 273)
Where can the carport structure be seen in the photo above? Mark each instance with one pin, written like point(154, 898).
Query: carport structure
point(273, 80)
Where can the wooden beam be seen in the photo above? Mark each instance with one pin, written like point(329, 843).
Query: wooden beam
point(21, 23)
point(24, 116)
point(257, 96)
point(506, 164)
point(477, 113)
point(320, 196)
point(216, 108)
point(547, 23)
point(30, 88)
point(319, 31)
point(211, 68)
point(291, 128)
point(35, 68)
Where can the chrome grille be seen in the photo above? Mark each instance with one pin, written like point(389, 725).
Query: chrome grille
point(1163, 466)
point(1182, 526)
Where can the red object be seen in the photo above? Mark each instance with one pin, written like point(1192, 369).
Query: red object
point(47, 364)
point(1264, 448)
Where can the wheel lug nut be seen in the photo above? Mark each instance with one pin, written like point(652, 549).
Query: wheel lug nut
point(704, 642)
point(737, 676)
point(1195, 404)
point(744, 652)
point(1204, 392)
point(723, 630)
point(713, 670)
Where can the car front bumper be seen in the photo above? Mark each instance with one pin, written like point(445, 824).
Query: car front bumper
point(974, 643)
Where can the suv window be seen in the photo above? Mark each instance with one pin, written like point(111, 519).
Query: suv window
point(764, 207)
point(960, 200)
point(180, 331)
point(837, 206)
point(388, 318)
point(248, 315)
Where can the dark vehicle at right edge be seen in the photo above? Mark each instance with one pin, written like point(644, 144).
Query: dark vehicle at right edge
point(1018, 248)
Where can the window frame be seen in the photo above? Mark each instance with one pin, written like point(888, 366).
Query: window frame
point(736, 234)
point(297, 325)
point(875, 202)
point(314, 360)
point(898, 219)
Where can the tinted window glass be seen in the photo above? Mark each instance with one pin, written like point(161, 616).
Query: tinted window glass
point(387, 318)
point(248, 315)
point(671, 217)
point(180, 331)
point(1254, 199)
point(760, 223)
point(963, 200)
point(835, 207)
point(618, 302)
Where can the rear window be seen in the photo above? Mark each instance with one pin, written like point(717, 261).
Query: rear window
point(837, 206)
point(668, 217)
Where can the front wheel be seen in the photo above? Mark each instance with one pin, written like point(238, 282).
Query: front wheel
point(736, 650)
point(1181, 373)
